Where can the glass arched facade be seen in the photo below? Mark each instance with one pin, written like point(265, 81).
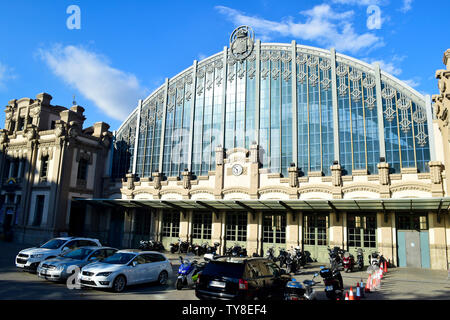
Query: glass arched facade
point(299, 104)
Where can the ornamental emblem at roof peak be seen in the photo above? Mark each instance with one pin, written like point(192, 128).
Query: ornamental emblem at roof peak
point(242, 42)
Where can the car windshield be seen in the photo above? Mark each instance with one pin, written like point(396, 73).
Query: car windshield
point(225, 269)
point(53, 244)
point(119, 258)
point(78, 254)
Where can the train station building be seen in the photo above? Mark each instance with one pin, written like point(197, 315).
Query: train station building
point(265, 145)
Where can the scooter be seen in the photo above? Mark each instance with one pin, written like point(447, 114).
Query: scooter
point(348, 262)
point(188, 273)
point(174, 247)
point(270, 254)
point(335, 257)
point(360, 258)
point(291, 264)
point(282, 257)
point(296, 291)
point(334, 284)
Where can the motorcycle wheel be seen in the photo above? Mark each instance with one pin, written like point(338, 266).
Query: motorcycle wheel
point(179, 284)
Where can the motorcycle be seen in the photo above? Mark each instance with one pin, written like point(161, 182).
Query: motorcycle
point(291, 264)
point(348, 262)
point(188, 272)
point(334, 285)
point(199, 249)
point(151, 245)
point(211, 252)
point(300, 257)
point(375, 260)
point(296, 291)
point(335, 257)
point(236, 251)
point(175, 246)
point(270, 254)
point(360, 258)
point(184, 246)
point(282, 256)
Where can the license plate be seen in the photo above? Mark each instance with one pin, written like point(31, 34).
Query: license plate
point(43, 273)
point(86, 278)
point(217, 284)
point(329, 288)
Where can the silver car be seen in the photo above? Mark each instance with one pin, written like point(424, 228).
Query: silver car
point(126, 267)
point(58, 269)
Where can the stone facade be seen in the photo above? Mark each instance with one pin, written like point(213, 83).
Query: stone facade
point(41, 148)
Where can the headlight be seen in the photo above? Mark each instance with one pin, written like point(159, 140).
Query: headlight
point(103, 274)
point(60, 268)
point(35, 256)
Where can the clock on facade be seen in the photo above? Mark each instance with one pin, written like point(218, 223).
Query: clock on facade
point(237, 169)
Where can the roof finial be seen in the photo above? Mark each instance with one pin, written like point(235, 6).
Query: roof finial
point(74, 102)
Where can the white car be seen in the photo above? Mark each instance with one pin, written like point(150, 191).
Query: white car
point(29, 259)
point(126, 267)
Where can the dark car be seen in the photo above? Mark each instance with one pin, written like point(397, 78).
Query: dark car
point(233, 278)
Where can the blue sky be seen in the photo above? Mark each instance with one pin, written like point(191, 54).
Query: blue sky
point(125, 49)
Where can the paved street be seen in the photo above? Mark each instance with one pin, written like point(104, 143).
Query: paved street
point(398, 284)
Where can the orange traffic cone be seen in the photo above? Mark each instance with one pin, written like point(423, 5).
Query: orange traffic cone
point(358, 292)
point(367, 288)
point(385, 267)
point(346, 296)
point(351, 296)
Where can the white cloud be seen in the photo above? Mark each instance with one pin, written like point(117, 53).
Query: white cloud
point(6, 74)
point(415, 82)
point(407, 5)
point(323, 25)
point(360, 2)
point(113, 91)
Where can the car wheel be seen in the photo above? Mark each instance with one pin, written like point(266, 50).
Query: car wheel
point(119, 284)
point(163, 277)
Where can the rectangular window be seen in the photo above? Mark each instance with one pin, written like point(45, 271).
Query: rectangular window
point(171, 224)
point(82, 169)
point(274, 228)
point(202, 225)
point(44, 167)
point(236, 226)
point(21, 124)
point(39, 210)
point(142, 222)
point(362, 230)
point(315, 229)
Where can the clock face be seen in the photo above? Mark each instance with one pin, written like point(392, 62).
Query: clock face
point(237, 169)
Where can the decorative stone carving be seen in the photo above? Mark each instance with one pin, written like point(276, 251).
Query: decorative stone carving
point(254, 153)
point(60, 128)
point(446, 58)
point(293, 177)
point(30, 132)
point(383, 173)
point(130, 180)
point(219, 156)
point(435, 172)
point(336, 175)
point(187, 177)
point(74, 130)
point(156, 180)
point(3, 136)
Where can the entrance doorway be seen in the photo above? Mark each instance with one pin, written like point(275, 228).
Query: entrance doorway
point(413, 241)
point(201, 227)
point(274, 232)
point(362, 233)
point(77, 219)
point(116, 228)
point(236, 229)
point(315, 236)
point(170, 228)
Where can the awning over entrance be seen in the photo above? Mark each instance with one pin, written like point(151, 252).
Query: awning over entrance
point(439, 205)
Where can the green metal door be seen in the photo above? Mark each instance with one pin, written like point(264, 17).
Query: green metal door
point(170, 228)
point(201, 227)
point(362, 233)
point(315, 236)
point(236, 229)
point(413, 240)
point(274, 232)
